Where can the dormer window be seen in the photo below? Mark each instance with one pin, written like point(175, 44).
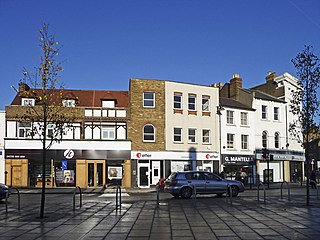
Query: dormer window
point(27, 102)
point(108, 104)
point(69, 103)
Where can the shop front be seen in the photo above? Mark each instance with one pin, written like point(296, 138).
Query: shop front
point(149, 167)
point(235, 165)
point(280, 165)
point(66, 168)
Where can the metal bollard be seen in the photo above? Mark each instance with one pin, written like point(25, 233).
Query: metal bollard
point(74, 197)
point(264, 193)
point(7, 195)
point(288, 186)
point(194, 192)
point(158, 193)
point(229, 193)
point(118, 199)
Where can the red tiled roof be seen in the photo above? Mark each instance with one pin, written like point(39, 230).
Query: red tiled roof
point(86, 98)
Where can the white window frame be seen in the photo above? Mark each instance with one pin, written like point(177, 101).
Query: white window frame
point(205, 138)
point(25, 130)
point(264, 112)
point(192, 135)
point(230, 140)
point(192, 105)
point(230, 117)
point(205, 104)
point(149, 134)
point(277, 140)
point(108, 103)
point(244, 141)
point(264, 139)
point(175, 101)
point(244, 118)
point(150, 100)
point(69, 102)
point(177, 134)
point(109, 131)
point(276, 114)
point(27, 101)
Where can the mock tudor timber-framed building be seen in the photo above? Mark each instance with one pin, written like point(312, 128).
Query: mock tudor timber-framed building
point(93, 152)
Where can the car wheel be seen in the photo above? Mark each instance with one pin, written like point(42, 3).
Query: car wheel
point(186, 192)
point(235, 191)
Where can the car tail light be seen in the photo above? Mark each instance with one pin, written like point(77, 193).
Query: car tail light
point(173, 182)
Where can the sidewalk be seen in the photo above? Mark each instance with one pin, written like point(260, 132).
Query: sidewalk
point(203, 218)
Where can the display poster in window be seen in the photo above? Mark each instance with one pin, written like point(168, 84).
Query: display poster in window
point(65, 176)
point(115, 172)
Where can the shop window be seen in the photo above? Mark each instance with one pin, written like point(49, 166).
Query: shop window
point(192, 135)
point(230, 117)
point(149, 99)
point(206, 136)
point(244, 118)
point(264, 139)
point(230, 140)
point(177, 134)
point(148, 133)
point(244, 142)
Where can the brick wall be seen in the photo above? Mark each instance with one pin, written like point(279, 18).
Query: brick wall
point(140, 116)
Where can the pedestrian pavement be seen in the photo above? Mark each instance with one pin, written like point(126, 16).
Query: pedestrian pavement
point(206, 217)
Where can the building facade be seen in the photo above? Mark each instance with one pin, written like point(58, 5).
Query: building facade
point(237, 139)
point(94, 150)
point(173, 127)
point(279, 157)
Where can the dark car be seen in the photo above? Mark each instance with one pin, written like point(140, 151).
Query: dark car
point(3, 190)
point(182, 183)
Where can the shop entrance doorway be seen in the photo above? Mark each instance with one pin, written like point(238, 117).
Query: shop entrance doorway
point(144, 169)
point(91, 173)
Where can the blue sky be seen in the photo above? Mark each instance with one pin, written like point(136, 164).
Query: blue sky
point(107, 42)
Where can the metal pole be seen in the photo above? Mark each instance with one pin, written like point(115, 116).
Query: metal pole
point(268, 172)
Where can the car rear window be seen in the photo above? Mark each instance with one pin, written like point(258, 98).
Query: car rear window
point(173, 176)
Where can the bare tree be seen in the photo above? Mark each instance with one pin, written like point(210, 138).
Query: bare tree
point(305, 104)
point(49, 118)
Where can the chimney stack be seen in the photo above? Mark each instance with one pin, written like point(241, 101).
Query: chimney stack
point(235, 84)
point(271, 76)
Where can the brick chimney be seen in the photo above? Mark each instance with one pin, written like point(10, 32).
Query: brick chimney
point(271, 76)
point(235, 84)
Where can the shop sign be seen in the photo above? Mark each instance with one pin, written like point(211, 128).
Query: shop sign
point(238, 159)
point(161, 155)
point(68, 154)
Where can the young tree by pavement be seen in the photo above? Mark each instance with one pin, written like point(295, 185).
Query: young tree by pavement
point(48, 116)
point(305, 104)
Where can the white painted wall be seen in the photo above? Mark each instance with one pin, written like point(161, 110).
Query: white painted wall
point(186, 121)
point(237, 130)
point(270, 125)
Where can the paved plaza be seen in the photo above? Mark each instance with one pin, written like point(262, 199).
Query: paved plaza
point(207, 217)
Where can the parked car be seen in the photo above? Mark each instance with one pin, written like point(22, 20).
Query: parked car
point(181, 184)
point(3, 190)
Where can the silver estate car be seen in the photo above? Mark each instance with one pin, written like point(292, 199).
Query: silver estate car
point(181, 184)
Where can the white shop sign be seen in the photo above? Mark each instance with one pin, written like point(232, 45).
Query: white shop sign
point(143, 155)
